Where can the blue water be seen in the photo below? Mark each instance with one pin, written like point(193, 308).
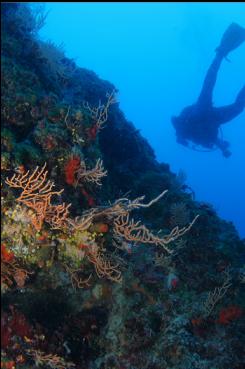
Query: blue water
point(157, 55)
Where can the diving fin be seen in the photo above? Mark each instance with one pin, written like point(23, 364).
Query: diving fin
point(233, 37)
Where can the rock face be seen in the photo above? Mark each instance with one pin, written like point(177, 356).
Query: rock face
point(93, 274)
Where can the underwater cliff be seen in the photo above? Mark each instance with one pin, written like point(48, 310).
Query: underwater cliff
point(107, 260)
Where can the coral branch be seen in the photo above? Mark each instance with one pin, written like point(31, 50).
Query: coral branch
point(37, 195)
point(11, 270)
point(134, 231)
point(53, 361)
point(103, 268)
point(215, 296)
point(136, 203)
point(82, 223)
point(33, 186)
point(56, 215)
point(93, 175)
point(100, 113)
point(76, 281)
point(122, 206)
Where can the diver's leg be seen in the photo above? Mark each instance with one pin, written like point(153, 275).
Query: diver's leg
point(205, 97)
point(229, 112)
point(233, 37)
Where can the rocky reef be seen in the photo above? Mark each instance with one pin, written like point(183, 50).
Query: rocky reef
point(107, 260)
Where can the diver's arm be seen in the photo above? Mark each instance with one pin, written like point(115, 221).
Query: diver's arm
point(223, 146)
point(182, 141)
point(226, 113)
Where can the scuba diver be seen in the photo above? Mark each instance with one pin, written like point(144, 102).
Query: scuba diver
point(200, 122)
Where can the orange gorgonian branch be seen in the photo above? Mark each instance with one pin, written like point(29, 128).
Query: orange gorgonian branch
point(11, 270)
point(36, 194)
point(136, 232)
point(103, 267)
point(33, 186)
point(56, 215)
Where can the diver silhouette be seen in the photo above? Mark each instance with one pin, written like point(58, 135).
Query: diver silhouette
point(200, 122)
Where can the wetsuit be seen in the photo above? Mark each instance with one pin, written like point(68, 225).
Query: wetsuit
point(200, 122)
